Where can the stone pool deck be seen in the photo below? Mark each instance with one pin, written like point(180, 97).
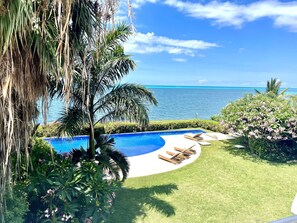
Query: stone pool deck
point(149, 163)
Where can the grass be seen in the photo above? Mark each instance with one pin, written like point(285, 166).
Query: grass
point(222, 185)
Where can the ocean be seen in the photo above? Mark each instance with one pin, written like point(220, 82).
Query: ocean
point(182, 102)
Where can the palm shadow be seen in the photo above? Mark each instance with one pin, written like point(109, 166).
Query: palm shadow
point(130, 203)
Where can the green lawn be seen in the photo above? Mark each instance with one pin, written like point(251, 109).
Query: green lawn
point(222, 185)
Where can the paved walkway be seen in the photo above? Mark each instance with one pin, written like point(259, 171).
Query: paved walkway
point(149, 163)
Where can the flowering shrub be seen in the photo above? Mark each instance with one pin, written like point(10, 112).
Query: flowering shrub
point(65, 192)
point(269, 125)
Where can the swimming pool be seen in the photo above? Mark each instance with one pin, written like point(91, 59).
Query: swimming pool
point(131, 144)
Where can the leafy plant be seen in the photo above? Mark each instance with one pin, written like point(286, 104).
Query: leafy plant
point(113, 162)
point(40, 153)
point(273, 88)
point(124, 127)
point(69, 193)
point(16, 206)
point(268, 124)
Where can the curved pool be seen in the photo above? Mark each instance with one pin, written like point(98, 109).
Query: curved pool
point(131, 144)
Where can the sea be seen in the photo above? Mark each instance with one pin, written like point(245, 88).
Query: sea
point(181, 102)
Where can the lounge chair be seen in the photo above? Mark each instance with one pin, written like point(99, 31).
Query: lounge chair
point(204, 143)
point(181, 156)
point(197, 139)
point(198, 135)
point(187, 151)
point(212, 135)
point(172, 159)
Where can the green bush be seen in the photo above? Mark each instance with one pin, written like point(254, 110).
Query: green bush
point(47, 130)
point(16, 206)
point(40, 154)
point(65, 192)
point(125, 127)
point(268, 124)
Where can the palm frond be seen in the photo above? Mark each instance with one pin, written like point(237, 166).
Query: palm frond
point(126, 102)
point(121, 161)
point(72, 120)
point(282, 93)
point(257, 91)
point(113, 160)
point(115, 37)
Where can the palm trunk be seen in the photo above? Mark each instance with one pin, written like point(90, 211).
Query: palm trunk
point(91, 131)
point(92, 140)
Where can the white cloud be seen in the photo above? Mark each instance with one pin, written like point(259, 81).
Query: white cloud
point(150, 43)
point(283, 14)
point(240, 50)
point(139, 3)
point(202, 81)
point(179, 59)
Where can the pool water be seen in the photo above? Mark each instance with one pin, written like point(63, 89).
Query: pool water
point(131, 144)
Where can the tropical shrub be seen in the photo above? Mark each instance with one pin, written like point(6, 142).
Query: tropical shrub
point(40, 153)
point(124, 127)
point(267, 124)
point(16, 206)
point(65, 192)
point(113, 162)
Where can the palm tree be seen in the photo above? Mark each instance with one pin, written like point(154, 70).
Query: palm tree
point(112, 161)
point(273, 88)
point(96, 95)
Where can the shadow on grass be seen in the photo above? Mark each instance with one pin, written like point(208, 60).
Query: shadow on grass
point(231, 147)
point(245, 153)
point(130, 203)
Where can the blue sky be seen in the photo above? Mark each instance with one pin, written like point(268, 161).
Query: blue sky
point(213, 43)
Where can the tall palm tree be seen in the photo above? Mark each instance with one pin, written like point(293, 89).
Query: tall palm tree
point(96, 95)
point(273, 88)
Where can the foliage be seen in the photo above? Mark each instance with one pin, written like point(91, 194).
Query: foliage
point(113, 162)
point(16, 206)
point(124, 127)
point(39, 40)
point(104, 99)
point(40, 154)
point(268, 124)
point(273, 88)
point(69, 188)
point(178, 124)
point(65, 192)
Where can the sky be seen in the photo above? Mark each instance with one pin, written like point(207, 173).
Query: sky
point(212, 43)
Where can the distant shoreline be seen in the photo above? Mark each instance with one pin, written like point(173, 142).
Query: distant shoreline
point(209, 87)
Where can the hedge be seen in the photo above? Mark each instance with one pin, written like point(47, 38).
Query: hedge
point(125, 127)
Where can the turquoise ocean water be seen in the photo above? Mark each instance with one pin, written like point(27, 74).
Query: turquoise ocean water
point(182, 102)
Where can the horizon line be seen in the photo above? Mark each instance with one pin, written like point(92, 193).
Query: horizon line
point(221, 86)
